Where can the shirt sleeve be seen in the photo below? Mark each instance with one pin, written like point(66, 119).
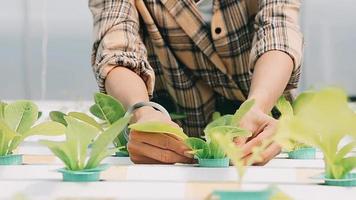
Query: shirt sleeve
point(277, 28)
point(117, 41)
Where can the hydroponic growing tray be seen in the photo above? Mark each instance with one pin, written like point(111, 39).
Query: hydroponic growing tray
point(37, 178)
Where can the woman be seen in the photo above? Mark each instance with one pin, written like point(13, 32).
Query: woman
point(196, 57)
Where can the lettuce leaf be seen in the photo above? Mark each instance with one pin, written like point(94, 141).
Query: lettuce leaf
point(85, 118)
point(99, 147)
point(20, 115)
point(58, 116)
point(107, 108)
point(159, 127)
point(17, 121)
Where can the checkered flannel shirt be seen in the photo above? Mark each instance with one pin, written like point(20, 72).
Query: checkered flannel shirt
point(180, 58)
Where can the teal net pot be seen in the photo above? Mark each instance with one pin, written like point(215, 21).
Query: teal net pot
point(302, 153)
point(121, 154)
point(12, 159)
point(243, 195)
point(86, 175)
point(81, 176)
point(348, 181)
point(223, 162)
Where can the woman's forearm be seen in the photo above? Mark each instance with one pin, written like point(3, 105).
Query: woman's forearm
point(270, 78)
point(126, 86)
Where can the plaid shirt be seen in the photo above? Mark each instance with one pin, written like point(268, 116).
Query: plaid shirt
point(182, 59)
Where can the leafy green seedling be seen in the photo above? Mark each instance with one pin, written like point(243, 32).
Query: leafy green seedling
point(209, 149)
point(79, 134)
point(236, 155)
point(322, 119)
point(17, 122)
point(225, 125)
point(286, 110)
point(230, 123)
point(109, 110)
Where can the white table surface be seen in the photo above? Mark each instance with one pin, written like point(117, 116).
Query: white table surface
point(38, 179)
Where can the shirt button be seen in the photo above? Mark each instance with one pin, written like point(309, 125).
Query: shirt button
point(218, 30)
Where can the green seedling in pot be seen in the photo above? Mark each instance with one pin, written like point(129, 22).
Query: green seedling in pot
point(236, 155)
point(322, 119)
point(209, 149)
point(109, 110)
point(295, 149)
point(106, 109)
point(226, 125)
point(73, 151)
point(17, 122)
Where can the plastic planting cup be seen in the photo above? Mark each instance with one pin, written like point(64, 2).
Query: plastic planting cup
point(223, 162)
point(122, 154)
point(78, 176)
point(243, 195)
point(302, 153)
point(86, 175)
point(348, 181)
point(12, 159)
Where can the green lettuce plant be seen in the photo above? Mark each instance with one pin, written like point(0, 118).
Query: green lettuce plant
point(79, 134)
point(322, 119)
point(286, 109)
point(236, 155)
point(106, 109)
point(224, 125)
point(17, 122)
point(109, 110)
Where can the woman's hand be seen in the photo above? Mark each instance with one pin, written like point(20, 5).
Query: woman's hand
point(270, 78)
point(151, 148)
point(145, 147)
point(263, 127)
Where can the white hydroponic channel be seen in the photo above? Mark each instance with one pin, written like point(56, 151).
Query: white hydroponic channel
point(38, 179)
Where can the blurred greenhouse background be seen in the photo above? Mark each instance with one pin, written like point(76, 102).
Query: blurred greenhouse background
point(28, 25)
